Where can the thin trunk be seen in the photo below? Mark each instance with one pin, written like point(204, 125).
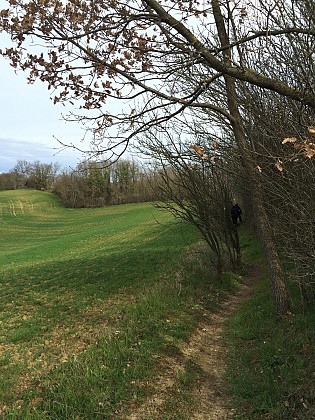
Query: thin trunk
point(237, 255)
point(278, 285)
point(276, 274)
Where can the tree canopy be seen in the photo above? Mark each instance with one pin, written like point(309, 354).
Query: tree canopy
point(121, 61)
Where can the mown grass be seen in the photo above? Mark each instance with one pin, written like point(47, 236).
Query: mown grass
point(271, 361)
point(87, 298)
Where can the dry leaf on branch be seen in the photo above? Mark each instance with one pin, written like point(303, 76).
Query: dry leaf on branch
point(311, 130)
point(289, 140)
point(309, 150)
point(279, 166)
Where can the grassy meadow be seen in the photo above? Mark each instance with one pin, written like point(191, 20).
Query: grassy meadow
point(88, 296)
point(94, 300)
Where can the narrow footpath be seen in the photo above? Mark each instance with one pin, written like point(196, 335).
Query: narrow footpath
point(205, 351)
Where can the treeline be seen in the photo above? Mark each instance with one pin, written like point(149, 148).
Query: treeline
point(90, 184)
point(33, 175)
point(100, 184)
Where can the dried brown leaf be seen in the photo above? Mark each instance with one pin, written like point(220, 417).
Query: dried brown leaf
point(289, 140)
point(279, 166)
point(311, 130)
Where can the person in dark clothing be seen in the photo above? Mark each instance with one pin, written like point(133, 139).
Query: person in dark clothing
point(239, 213)
point(236, 214)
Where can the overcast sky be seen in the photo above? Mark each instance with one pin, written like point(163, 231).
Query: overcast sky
point(29, 122)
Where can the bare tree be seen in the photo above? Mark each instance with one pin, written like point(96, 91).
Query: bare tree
point(194, 187)
point(280, 141)
point(36, 174)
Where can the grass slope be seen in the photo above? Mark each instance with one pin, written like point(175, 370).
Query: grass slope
point(87, 297)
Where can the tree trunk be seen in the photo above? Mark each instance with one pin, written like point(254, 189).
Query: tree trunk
point(236, 247)
point(276, 274)
point(278, 285)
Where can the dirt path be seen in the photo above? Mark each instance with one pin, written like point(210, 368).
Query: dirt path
point(206, 353)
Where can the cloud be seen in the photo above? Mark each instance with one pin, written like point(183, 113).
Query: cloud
point(14, 150)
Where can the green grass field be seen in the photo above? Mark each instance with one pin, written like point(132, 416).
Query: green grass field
point(87, 297)
point(92, 300)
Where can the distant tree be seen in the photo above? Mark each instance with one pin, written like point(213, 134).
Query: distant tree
point(97, 184)
point(71, 188)
point(8, 181)
point(35, 174)
point(124, 176)
point(22, 171)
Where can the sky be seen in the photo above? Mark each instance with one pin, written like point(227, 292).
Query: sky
point(29, 123)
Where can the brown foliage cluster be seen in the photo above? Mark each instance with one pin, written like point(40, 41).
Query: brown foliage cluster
point(90, 43)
